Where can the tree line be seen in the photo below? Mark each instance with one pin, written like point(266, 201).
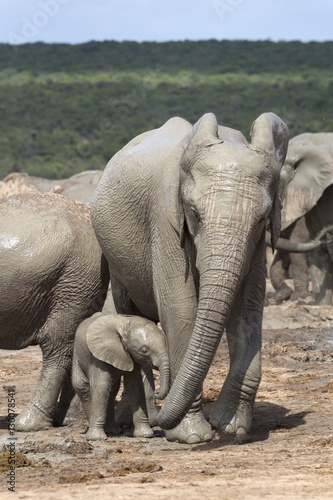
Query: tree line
point(66, 108)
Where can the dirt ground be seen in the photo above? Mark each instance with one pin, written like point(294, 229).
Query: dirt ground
point(289, 455)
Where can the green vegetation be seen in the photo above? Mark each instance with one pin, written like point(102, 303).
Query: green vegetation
point(66, 108)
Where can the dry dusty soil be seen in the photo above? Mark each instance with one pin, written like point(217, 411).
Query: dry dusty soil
point(289, 454)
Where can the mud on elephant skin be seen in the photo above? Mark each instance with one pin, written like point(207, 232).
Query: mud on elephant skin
point(107, 347)
point(53, 276)
point(185, 246)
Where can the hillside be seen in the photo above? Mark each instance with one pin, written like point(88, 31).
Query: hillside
point(67, 108)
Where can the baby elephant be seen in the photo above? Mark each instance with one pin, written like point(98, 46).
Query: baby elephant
point(106, 347)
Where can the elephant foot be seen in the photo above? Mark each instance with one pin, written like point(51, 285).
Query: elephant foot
point(192, 429)
point(113, 429)
point(32, 419)
point(95, 434)
point(143, 431)
point(283, 294)
point(300, 294)
point(233, 422)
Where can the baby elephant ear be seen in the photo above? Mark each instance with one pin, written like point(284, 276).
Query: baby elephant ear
point(105, 343)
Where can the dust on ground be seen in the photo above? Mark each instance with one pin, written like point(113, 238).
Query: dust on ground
point(290, 454)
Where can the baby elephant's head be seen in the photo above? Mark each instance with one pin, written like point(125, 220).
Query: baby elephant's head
point(119, 340)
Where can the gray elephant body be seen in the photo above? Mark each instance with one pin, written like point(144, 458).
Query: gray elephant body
point(307, 191)
point(185, 245)
point(106, 348)
point(53, 276)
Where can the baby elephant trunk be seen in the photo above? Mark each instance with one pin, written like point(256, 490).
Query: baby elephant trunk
point(162, 364)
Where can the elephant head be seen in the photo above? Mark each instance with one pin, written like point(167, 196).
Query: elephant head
point(119, 339)
point(227, 190)
point(306, 173)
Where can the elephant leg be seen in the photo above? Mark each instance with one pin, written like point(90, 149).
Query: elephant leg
point(321, 273)
point(149, 388)
point(101, 384)
point(277, 276)
point(56, 367)
point(66, 397)
point(133, 384)
point(111, 426)
point(299, 261)
point(300, 272)
point(178, 312)
point(81, 386)
point(233, 410)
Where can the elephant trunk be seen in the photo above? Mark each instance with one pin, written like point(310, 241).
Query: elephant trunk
point(164, 368)
point(296, 247)
point(218, 287)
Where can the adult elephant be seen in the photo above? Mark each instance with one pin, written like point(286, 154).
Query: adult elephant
point(53, 276)
point(180, 213)
point(81, 186)
point(307, 192)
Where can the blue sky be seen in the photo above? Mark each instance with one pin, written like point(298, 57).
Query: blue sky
point(78, 21)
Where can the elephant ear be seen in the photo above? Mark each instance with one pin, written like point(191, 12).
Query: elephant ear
point(270, 135)
point(307, 172)
point(204, 133)
point(105, 343)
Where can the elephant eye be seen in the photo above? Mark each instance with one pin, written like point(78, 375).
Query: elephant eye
point(145, 350)
point(195, 213)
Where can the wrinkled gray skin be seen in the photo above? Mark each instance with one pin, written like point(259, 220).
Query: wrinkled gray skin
point(307, 190)
point(53, 276)
point(180, 213)
point(106, 348)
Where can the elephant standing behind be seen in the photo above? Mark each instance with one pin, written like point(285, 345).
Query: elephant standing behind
point(79, 187)
point(307, 191)
point(298, 262)
point(180, 213)
point(53, 275)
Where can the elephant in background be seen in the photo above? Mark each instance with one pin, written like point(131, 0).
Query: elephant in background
point(79, 187)
point(107, 347)
point(307, 192)
point(180, 213)
point(283, 260)
point(20, 182)
point(53, 275)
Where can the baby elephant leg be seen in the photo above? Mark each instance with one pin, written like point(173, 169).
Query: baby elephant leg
point(134, 387)
point(111, 426)
point(100, 387)
point(81, 386)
